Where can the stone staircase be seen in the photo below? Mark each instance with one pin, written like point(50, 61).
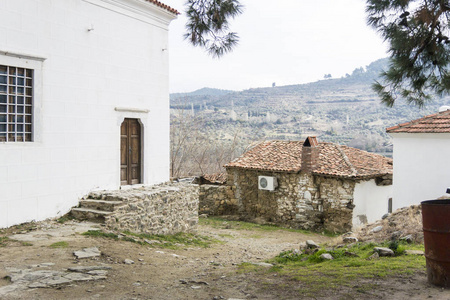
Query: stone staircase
point(96, 207)
point(166, 208)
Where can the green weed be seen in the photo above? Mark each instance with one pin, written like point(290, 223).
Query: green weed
point(175, 241)
point(317, 274)
point(61, 244)
point(241, 225)
point(225, 235)
point(99, 233)
point(65, 218)
point(3, 241)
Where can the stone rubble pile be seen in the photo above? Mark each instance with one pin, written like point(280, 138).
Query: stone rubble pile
point(403, 224)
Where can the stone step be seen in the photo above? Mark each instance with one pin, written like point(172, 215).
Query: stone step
point(102, 205)
point(95, 215)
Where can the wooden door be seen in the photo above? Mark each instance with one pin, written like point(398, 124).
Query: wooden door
point(130, 152)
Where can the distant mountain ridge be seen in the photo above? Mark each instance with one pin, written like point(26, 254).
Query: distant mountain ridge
point(201, 92)
point(221, 98)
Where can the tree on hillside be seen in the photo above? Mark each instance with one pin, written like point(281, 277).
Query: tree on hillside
point(417, 31)
point(419, 45)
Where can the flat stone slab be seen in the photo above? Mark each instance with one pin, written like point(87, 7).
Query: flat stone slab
point(85, 269)
point(98, 272)
point(59, 232)
point(414, 252)
point(87, 253)
point(29, 278)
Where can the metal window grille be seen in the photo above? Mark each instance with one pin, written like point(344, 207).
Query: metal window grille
point(16, 104)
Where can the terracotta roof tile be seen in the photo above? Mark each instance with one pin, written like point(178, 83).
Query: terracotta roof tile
point(162, 5)
point(271, 156)
point(435, 123)
point(220, 178)
point(333, 160)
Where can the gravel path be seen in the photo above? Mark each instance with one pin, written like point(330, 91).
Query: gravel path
point(127, 270)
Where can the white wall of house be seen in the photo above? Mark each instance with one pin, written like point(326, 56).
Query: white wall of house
point(371, 202)
point(89, 58)
point(421, 167)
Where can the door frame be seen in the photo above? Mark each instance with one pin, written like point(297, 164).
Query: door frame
point(140, 151)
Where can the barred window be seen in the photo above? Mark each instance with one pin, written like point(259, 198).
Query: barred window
point(16, 104)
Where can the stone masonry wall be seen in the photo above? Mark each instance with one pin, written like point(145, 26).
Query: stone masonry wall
point(309, 205)
point(161, 209)
point(337, 195)
point(216, 200)
point(293, 203)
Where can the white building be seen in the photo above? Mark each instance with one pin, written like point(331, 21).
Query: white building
point(421, 159)
point(84, 101)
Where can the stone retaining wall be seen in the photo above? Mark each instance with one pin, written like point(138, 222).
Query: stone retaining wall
point(161, 209)
point(216, 200)
point(337, 195)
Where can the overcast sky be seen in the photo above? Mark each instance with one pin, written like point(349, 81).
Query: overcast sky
point(281, 41)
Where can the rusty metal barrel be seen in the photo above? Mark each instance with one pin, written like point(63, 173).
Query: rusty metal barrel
point(436, 231)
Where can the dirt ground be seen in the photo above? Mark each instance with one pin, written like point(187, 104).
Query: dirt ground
point(190, 273)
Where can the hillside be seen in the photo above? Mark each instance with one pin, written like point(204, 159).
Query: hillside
point(342, 110)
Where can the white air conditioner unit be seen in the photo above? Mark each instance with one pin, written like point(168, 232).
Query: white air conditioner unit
point(267, 183)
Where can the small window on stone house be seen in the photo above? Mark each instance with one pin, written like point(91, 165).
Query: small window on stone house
point(16, 104)
point(390, 205)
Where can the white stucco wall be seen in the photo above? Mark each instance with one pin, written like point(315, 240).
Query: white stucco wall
point(81, 77)
point(421, 167)
point(371, 202)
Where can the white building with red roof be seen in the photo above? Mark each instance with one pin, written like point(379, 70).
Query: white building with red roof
point(84, 101)
point(421, 159)
point(311, 184)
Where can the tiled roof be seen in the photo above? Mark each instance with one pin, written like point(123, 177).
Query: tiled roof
point(162, 5)
point(333, 160)
point(435, 123)
point(219, 178)
point(271, 156)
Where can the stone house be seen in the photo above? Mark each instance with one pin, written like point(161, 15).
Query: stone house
point(84, 101)
point(422, 163)
point(308, 185)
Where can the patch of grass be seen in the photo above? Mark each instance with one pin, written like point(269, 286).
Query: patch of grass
point(175, 241)
point(248, 267)
point(317, 275)
point(65, 218)
point(99, 233)
point(61, 244)
point(3, 241)
point(225, 235)
point(241, 225)
point(255, 236)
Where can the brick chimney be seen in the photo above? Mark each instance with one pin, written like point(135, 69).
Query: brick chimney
point(310, 154)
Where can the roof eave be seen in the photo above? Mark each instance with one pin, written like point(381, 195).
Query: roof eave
point(263, 170)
